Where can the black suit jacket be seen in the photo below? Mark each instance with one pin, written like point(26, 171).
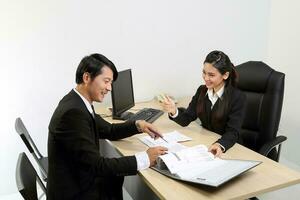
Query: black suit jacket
point(228, 125)
point(76, 169)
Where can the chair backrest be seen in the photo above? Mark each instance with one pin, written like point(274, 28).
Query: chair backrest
point(26, 178)
point(264, 88)
point(22, 131)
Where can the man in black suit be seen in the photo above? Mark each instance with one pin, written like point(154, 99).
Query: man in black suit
point(76, 168)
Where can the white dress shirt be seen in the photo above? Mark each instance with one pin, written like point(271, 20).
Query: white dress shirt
point(214, 96)
point(142, 158)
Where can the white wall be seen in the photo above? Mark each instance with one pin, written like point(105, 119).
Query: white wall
point(283, 55)
point(163, 41)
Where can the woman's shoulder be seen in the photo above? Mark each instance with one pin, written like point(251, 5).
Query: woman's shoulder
point(202, 89)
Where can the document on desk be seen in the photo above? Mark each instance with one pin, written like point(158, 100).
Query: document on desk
point(170, 140)
point(197, 165)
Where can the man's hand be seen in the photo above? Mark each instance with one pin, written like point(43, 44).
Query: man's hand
point(146, 127)
point(169, 105)
point(216, 149)
point(154, 152)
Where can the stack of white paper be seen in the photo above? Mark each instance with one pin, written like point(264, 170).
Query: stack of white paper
point(170, 141)
point(187, 159)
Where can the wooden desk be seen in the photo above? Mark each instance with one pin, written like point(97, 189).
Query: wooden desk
point(266, 177)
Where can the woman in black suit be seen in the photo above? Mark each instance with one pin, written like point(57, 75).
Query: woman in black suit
point(218, 104)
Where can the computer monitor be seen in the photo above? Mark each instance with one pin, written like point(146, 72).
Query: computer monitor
point(122, 95)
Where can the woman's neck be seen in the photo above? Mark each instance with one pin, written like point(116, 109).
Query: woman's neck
point(216, 89)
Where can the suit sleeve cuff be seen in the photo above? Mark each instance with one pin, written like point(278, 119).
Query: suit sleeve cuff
point(142, 160)
point(138, 127)
point(175, 115)
point(222, 147)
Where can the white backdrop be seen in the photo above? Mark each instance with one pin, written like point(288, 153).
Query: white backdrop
point(283, 54)
point(163, 41)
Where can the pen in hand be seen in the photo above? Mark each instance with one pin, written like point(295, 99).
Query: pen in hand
point(159, 135)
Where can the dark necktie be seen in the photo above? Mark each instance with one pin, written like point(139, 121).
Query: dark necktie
point(93, 111)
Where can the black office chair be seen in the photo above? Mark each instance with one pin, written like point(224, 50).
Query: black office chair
point(40, 159)
point(26, 178)
point(264, 88)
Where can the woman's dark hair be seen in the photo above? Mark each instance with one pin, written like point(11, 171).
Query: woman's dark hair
point(222, 63)
point(93, 64)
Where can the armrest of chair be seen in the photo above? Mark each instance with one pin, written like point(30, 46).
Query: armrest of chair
point(267, 147)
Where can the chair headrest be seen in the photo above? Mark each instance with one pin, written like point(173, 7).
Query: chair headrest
point(253, 76)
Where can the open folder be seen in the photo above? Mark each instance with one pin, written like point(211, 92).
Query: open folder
point(197, 165)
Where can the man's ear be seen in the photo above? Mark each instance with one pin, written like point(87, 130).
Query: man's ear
point(86, 77)
point(226, 75)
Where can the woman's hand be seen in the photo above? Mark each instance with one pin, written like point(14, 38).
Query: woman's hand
point(216, 149)
point(168, 105)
